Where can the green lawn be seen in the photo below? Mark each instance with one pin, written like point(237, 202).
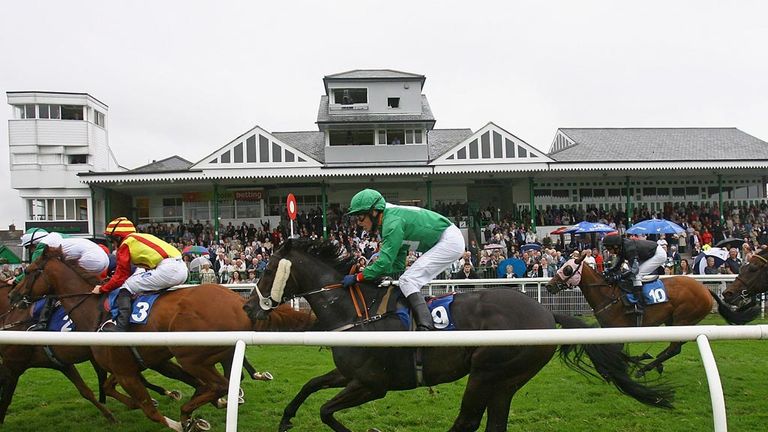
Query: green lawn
point(558, 399)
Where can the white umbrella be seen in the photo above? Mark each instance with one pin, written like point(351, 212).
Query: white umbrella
point(198, 262)
point(719, 254)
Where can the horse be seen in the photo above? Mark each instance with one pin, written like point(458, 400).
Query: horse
point(689, 301)
point(207, 307)
point(312, 269)
point(751, 281)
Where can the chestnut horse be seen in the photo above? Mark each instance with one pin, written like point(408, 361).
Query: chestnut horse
point(303, 268)
point(688, 302)
point(204, 308)
point(751, 281)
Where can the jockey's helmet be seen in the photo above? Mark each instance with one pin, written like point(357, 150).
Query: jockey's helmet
point(365, 201)
point(613, 241)
point(120, 228)
point(32, 237)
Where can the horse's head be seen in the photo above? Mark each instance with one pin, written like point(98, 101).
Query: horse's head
point(297, 268)
point(567, 277)
point(751, 281)
point(36, 283)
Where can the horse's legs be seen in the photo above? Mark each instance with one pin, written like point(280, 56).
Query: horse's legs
point(110, 389)
point(10, 380)
point(332, 379)
point(354, 394)
point(86, 392)
point(133, 385)
point(101, 377)
point(213, 386)
point(173, 371)
point(473, 404)
point(672, 350)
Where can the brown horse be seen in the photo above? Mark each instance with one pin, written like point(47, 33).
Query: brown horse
point(203, 308)
point(688, 302)
point(751, 281)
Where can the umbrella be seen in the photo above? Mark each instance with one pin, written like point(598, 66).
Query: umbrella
point(518, 266)
point(656, 226)
point(589, 227)
point(730, 242)
point(493, 246)
point(530, 246)
point(195, 250)
point(197, 263)
point(700, 262)
point(559, 231)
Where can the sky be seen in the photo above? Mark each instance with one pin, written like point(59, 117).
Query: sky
point(186, 77)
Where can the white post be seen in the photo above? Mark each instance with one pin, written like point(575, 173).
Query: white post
point(234, 386)
point(715, 386)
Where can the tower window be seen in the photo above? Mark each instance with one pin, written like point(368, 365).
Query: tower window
point(393, 102)
point(350, 96)
point(77, 159)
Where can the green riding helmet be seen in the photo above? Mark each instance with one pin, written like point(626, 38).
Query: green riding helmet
point(365, 201)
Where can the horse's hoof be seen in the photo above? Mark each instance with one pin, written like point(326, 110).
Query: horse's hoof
point(174, 394)
point(155, 403)
point(220, 403)
point(262, 376)
point(196, 425)
point(284, 426)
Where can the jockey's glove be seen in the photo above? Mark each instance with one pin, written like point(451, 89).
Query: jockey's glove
point(352, 279)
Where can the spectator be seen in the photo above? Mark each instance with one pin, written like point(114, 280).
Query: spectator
point(711, 268)
point(236, 278)
point(467, 272)
point(685, 267)
point(251, 276)
point(207, 275)
point(509, 272)
point(589, 259)
point(733, 263)
point(534, 271)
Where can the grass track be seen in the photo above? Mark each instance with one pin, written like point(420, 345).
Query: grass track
point(557, 399)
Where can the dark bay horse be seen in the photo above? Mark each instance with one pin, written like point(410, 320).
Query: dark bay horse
point(751, 281)
point(203, 308)
point(302, 268)
point(689, 301)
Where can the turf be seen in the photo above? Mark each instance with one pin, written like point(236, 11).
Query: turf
point(557, 399)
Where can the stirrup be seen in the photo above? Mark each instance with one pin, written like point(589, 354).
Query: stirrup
point(39, 326)
point(110, 322)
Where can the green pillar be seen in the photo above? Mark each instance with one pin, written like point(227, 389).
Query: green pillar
point(216, 212)
point(533, 204)
point(629, 203)
point(429, 194)
point(324, 194)
point(720, 197)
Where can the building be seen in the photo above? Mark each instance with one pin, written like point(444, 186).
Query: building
point(375, 128)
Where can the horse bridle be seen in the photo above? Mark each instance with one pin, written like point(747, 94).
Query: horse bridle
point(26, 300)
point(745, 294)
point(598, 310)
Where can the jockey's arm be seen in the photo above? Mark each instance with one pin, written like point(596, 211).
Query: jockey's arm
point(122, 270)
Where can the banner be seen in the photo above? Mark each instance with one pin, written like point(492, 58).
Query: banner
point(249, 195)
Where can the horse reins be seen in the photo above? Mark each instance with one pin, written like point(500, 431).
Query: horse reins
point(612, 301)
point(745, 292)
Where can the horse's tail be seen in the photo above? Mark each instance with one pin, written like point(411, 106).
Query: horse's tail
point(732, 316)
point(610, 363)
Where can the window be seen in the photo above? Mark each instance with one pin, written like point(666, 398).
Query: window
point(72, 112)
point(197, 210)
point(98, 118)
point(343, 138)
point(57, 209)
point(28, 112)
point(172, 209)
point(77, 159)
point(395, 137)
point(350, 96)
point(393, 102)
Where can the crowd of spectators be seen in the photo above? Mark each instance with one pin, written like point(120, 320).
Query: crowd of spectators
point(245, 249)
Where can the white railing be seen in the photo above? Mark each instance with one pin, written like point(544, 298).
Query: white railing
point(701, 334)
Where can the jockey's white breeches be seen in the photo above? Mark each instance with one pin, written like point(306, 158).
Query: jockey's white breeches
point(169, 273)
point(448, 249)
point(650, 265)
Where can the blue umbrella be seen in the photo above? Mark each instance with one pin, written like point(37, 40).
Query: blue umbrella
point(589, 227)
point(530, 246)
point(656, 226)
point(517, 265)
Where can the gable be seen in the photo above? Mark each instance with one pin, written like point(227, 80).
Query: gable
point(491, 145)
point(256, 148)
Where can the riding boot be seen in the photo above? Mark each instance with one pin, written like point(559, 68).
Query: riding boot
point(123, 312)
point(45, 315)
point(639, 307)
point(421, 313)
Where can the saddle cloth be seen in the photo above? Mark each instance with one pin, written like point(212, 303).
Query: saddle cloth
point(654, 292)
point(141, 306)
point(440, 307)
point(59, 320)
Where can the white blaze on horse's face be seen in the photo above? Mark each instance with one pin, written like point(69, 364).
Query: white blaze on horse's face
point(574, 276)
point(278, 286)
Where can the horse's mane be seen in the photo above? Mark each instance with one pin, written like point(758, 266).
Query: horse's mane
point(324, 250)
point(57, 253)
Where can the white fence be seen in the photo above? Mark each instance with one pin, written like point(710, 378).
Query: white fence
point(701, 334)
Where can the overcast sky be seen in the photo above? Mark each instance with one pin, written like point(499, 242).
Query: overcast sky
point(186, 77)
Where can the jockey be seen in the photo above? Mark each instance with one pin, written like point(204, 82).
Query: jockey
point(89, 256)
point(643, 258)
point(402, 228)
point(162, 262)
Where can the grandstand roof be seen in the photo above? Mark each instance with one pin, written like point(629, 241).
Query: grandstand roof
point(658, 144)
point(169, 164)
